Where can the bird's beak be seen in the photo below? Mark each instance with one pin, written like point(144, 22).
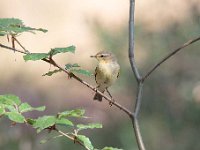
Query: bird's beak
point(93, 56)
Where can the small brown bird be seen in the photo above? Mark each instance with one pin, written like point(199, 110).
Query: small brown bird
point(106, 72)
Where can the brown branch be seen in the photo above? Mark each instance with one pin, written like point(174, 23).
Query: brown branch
point(51, 61)
point(170, 55)
point(72, 138)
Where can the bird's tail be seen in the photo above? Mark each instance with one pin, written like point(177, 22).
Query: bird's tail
point(98, 96)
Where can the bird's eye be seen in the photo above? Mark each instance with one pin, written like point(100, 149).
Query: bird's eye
point(101, 55)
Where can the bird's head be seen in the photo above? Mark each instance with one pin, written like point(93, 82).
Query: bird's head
point(104, 56)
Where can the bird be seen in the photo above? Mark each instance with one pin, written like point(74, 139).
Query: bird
point(106, 72)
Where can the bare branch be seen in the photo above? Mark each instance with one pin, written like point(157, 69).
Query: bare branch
point(168, 56)
point(51, 61)
point(138, 99)
point(138, 133)
point(131, 41)
point(138, 136)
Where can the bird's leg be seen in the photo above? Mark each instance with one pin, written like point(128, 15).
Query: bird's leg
point(111, 103)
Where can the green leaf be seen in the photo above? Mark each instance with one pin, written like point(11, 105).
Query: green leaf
point(43, 141)
point(15, 26)
point(35, 56)
point(69, 66)
point(81, 71)
point(9, 99)
point(111, 148)
point(25, 107)
point(89, 126)
point(64, 121)
point(86, 141)
point(72, 113)
point(2, 110)
point(44, 122)
point(16, 117)
point(50, 73)
point(11, 108)
point(30, 121)
point(55, 51)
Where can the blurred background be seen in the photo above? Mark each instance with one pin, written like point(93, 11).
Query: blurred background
point(170, 112)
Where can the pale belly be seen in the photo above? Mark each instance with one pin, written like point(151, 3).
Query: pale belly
point(106, 74)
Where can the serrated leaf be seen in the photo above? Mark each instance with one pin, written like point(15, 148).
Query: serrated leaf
point(50, 73)
point(81, 71)
point(89, 126)
point(86, 141)
point(25, 107)
point(69, 66)
point(55, 51)
point(15, 26)
point(16, 117)
point(35, 56)
point(72, 113)
point(111, 148)
point(64, 121)
point(5, 22)
point(44, 122)
point(9, 99)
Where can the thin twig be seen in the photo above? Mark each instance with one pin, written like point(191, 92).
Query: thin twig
point(111, 101)
point(168, 56)
point(72, 138)
point(131, 41)
point(20, 44)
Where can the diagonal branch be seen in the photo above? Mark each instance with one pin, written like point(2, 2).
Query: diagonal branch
point(169, 55)
point(51, 61)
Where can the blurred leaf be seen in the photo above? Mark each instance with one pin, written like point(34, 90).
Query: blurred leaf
point(55, 51)
point(47, 139)
point(72, 113)
point(16, 117)
point(86, 141)
point(30, 121)
point(11, 108)
point(111, 148)
point(81, 71)
point(44, 122)
point(43, 141)
point(15, 26)
point(35, 56)
point(9, 99)
point(64, 121)
point(89, 126)
point(25, 107)
point(2, 110)
point(69, 66)
point(50, 73)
